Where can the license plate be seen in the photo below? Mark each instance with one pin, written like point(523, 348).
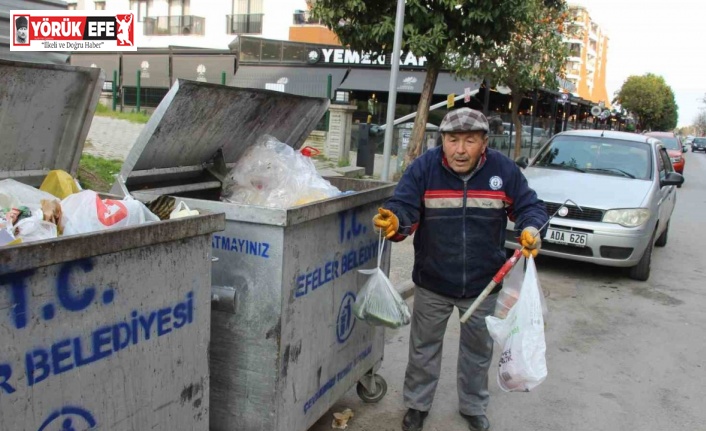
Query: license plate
point(566, 238)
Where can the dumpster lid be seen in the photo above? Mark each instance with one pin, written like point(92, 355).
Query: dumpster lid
point(45, 113)
point(200, 128)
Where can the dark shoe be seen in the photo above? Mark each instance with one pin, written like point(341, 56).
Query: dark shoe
point(414, 420)
point(477, 423)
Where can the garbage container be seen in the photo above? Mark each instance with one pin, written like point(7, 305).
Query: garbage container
point(98, 331)
point(291, 346)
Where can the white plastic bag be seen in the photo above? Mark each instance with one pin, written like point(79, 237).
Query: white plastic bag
point(16, 194)
point(32, 229)
point(85, 212)
point(378, 302)
point(512, 284)
point(273, 174)
point(523, 364)
point(182, 210)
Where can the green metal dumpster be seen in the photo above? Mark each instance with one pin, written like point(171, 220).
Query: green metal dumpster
point(290, 347)
point(104, 331)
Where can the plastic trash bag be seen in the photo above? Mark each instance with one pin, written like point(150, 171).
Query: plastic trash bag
point(60, 184)
point(512, 284)
point(14, 194)
point(32, 229)
point(523, 364)
point(85, 212)
point(273, 174)
point(182, 210)
point(378, 302)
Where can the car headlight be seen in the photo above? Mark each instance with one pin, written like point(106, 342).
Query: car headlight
point(675, 159)
point(633, 217)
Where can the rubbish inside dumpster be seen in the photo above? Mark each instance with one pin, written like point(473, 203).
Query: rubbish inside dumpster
point(378, 302)
point(60, 184)
point(86, 212)
point(28, 214)
point(273, 174)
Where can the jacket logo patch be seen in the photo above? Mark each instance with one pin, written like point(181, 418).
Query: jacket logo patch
point(496, 183)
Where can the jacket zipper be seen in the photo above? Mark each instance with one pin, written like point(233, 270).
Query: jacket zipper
point(465, 192)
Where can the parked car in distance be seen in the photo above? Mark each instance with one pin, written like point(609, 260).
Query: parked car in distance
point(674, 148)
point(624, 184)
point(699, 144)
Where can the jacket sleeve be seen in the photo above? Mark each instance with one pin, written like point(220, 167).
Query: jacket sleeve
point(525, 209)
point(406, 203)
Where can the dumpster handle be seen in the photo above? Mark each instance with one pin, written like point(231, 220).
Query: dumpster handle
point(224, 298)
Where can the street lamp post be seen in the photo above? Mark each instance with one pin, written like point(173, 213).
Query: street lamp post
point(392, 98)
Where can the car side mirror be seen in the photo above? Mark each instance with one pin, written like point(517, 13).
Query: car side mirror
point(522, 162)
point(673, 179)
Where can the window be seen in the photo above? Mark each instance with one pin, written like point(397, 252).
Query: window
point(99, 4)
point(179, 7)
point(71, 6)
point(246, 17)
point(140, 8)
point(665, 166)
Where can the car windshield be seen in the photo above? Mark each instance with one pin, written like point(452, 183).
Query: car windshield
point(670, 143)
point(700, 141)
point(597, 156)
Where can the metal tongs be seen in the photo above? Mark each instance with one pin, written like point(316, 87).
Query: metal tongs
point(505, 269)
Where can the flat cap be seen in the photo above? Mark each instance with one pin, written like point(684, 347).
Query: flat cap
point(464, 120)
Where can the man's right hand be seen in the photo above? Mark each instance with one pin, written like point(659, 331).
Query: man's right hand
point(386, 221)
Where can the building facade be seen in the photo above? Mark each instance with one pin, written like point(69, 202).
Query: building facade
point(586, 65)
point(208, 23)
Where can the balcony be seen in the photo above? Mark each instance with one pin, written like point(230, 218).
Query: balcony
point(305, 18)
point(174, 25)
point(244, 23)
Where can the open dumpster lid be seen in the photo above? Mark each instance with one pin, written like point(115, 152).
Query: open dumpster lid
point(45, 113)
point(198, 125)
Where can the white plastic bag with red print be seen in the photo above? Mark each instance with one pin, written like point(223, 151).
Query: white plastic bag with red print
point(523, 365)
point(86, 212)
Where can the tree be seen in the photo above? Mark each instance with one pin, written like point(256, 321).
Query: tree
point(437, 30)
point(651, 100)
point(700, 123)
point(534, 57)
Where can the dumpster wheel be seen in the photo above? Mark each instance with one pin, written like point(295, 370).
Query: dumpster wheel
point(376, 395)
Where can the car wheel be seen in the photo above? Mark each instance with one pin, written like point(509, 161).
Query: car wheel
point(662, 240)
point(641, 271)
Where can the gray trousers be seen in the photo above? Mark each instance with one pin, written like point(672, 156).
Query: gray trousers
point(429, 318)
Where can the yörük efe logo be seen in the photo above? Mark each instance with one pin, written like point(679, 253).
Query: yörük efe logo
point(39, 30)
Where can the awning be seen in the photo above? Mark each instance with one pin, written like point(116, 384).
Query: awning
point(407, 82)
point(304, 81)
point(204, 68)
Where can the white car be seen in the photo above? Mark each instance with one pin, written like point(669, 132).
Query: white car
point(625, 186)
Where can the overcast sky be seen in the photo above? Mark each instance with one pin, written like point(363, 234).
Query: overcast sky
point(664, 37)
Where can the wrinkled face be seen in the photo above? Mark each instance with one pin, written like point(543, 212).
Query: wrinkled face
point(22, 32)
point(463, 150)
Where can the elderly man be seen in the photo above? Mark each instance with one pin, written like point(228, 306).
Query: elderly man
point(21, 26)
point(457, 198)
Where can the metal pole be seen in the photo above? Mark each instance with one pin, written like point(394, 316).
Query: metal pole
point(115, 91)
point(392, 93)
point(223, 78)
point(137, 104)
point(329, 88)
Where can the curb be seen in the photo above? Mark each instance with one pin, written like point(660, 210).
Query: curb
point(405, 289)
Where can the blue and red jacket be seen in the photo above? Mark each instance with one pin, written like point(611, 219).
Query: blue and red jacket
point(460, 225)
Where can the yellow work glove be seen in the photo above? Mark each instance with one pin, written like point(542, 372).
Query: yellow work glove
point(530, 241)
point(386, 221)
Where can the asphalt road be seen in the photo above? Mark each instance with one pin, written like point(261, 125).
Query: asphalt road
point(621, 354)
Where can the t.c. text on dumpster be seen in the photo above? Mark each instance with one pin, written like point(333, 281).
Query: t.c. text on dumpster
point(69, 352)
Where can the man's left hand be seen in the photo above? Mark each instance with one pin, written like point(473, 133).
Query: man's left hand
point(530, 241)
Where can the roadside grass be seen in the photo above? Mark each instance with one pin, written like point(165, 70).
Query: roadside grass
point(96, 173)
point(134, 117)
